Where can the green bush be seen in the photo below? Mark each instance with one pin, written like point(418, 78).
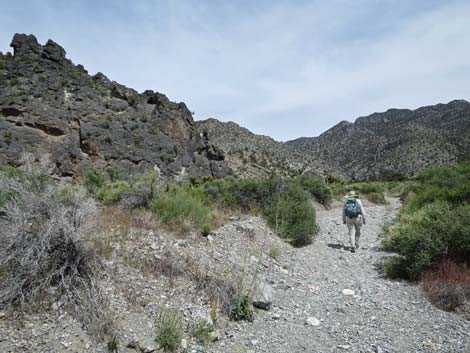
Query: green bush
point(377, 198)
point(206, 229)
point(451, 184)
point(292, 216)
point(423, 238)
point(315, 187)
point(242, 309)
point(246, 194)
point(169, 330)
point(111, 193)
point(374, 191)
point(93, 181)
point(285, 203)
point(181, 207)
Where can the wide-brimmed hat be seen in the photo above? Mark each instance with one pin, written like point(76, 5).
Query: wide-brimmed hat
point(352, 193)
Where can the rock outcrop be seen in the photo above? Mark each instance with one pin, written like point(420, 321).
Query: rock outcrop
point(395, 144)
point(252, 155)
point(49, 105)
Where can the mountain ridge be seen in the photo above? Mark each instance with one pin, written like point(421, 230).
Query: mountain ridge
point(397, 143)
point(50, 105)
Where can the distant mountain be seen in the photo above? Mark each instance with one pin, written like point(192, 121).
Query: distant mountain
point(395, 144)
point(49, 105)
point(249, 154)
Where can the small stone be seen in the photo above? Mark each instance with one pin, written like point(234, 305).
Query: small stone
point(254, 342)
point(184, 344)
point(263, 297)
point(348, 292)
point(276, 316)
point(214, 336)
point(344, 346)
point(428, 344)
point(148, 345)
point(312, 321)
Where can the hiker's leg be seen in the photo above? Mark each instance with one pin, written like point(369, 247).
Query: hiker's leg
point(351, 226)
point(358, 225)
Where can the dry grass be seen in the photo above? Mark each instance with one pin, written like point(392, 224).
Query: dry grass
point(447, 286)
point(45, 255)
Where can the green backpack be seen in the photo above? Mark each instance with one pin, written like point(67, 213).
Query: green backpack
point(352, 207)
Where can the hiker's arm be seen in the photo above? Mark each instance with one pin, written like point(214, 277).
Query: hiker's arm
point(363, 212)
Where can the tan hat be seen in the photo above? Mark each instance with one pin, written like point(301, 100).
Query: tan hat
point(352, 193)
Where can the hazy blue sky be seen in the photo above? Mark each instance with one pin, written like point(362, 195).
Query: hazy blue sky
point(280, 68)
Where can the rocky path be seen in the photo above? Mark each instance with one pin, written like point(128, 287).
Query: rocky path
point(331, 300)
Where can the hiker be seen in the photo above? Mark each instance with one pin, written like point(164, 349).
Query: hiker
point(354, 217)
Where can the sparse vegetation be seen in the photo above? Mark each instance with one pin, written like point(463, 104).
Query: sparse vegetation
point(169, 331)
point(274, 253)
point(201, 331)
point(111, 193)
point(242, 309)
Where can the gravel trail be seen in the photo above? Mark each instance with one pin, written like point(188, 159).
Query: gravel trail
point(313, 313)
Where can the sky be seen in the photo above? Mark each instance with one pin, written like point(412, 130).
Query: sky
point(280, 68)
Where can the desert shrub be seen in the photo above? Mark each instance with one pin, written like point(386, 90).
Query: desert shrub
point(316, 187)
point(201, 331)
point(447, 285)
point(450, 184)
point(181, 208)
point(112, 192)
point(206, 229)
point(377, 198)
point(43, 248)
point(135, 192)
point(92, 181)
point(374, 191)
point(291, 215)
point(285, 203)
point(169, 331)
point(435, 231)
point(246, 194)
point(274, 253)
point(434, 223)
point(242, 309)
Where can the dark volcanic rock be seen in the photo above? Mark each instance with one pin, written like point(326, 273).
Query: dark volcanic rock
point(49, 105)
point(395, 144)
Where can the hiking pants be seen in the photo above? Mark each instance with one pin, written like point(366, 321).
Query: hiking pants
point(356, 224)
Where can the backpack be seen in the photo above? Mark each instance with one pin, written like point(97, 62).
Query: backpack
point(352, 208)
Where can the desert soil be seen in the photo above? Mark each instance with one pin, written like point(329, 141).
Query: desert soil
point(311, 312)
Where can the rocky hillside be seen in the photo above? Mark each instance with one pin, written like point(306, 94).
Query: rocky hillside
point(394, 144)
point(50, 105)
point(249, 154)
